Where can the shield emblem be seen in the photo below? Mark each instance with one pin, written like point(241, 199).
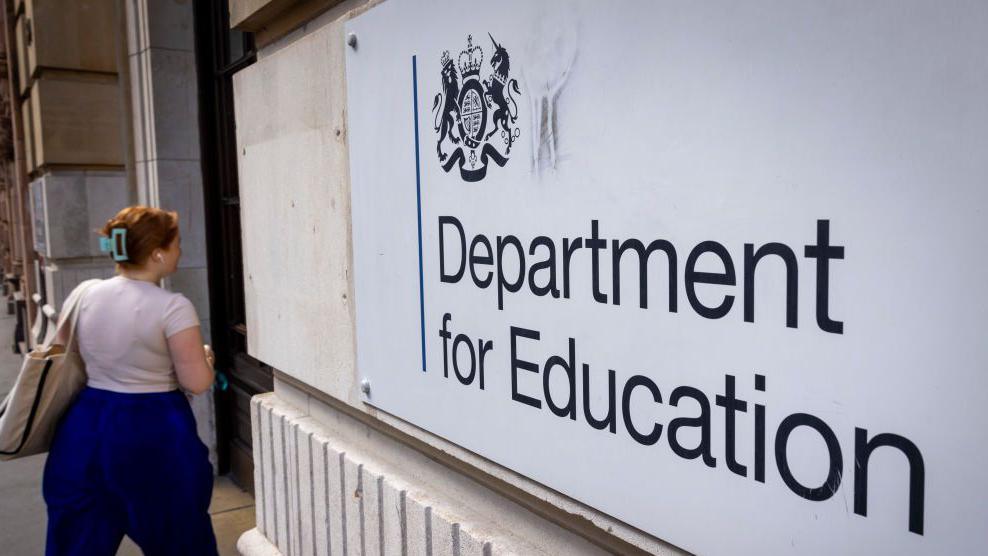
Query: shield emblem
point(473, 112)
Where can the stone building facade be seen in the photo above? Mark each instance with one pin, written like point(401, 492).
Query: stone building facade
point(334, 475)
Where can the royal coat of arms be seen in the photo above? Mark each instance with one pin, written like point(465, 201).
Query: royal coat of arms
point(476, 118)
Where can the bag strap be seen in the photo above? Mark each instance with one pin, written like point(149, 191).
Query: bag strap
point(69, 315)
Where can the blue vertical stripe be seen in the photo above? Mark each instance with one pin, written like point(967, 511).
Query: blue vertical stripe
point(418, 197)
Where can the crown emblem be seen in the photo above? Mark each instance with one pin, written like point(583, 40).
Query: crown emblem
point(446, 59)
point(471, 59)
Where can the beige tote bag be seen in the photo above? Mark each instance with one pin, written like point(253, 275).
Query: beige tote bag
point(50, 378)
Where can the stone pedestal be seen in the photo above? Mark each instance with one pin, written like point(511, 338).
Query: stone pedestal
point(69, 208)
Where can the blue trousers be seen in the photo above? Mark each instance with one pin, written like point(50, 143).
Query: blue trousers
point(128, 464)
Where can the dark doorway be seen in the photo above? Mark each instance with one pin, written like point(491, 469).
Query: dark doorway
point(220, 53)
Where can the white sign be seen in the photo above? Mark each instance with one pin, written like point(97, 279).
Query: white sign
point(713, 269)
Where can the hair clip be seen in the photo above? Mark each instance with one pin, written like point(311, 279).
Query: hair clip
point(116, 244)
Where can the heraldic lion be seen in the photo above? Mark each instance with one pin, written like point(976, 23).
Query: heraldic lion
point(445, 122)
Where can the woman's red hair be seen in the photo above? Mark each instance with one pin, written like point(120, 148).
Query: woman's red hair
point(147, 228)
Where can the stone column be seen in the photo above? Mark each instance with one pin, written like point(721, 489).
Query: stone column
point(163, 83)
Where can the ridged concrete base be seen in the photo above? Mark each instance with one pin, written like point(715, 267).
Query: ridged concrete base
point(253, 543)
point(334, 486)
point(317, 493)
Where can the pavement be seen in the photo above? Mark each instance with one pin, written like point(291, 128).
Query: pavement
point(22, 510)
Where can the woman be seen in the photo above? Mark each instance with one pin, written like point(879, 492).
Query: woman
point(126, 458)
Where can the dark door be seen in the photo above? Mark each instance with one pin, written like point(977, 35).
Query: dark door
point(220, 53)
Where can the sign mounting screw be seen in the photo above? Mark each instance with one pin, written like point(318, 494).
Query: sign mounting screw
point(365, 387)
point(351, 39)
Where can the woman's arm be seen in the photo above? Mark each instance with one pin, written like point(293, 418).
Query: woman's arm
point(195, 374)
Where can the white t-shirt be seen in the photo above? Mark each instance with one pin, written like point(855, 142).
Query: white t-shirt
point(123, 329)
